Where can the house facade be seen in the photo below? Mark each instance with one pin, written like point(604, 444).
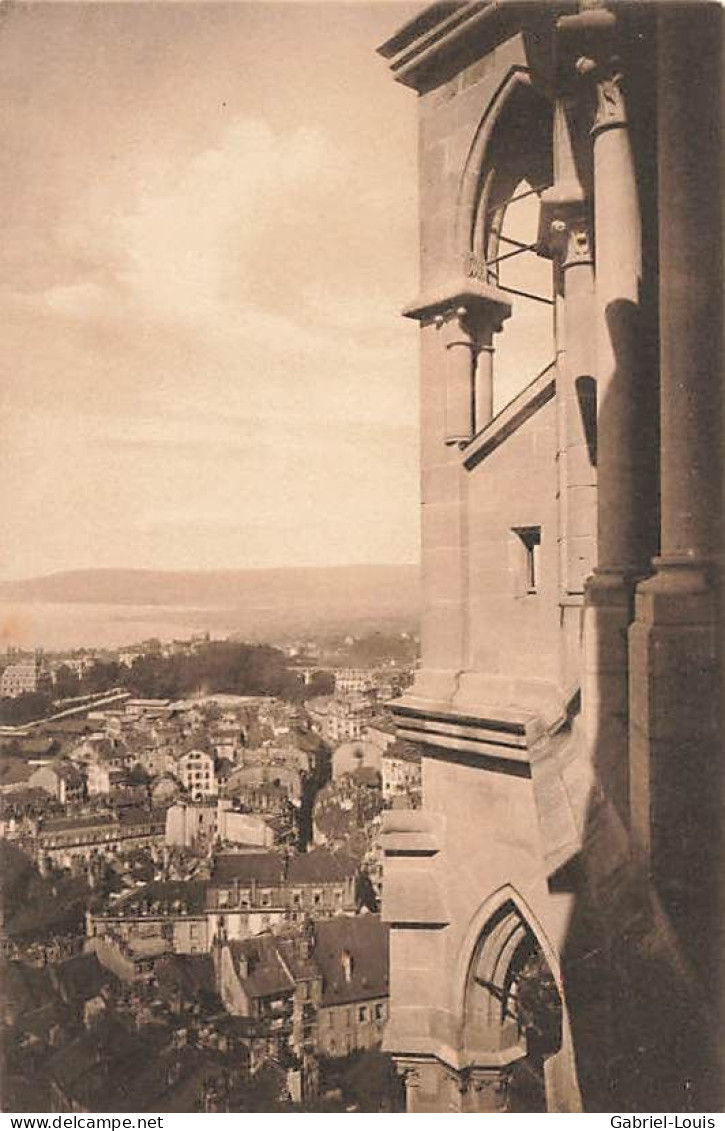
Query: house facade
point(552, 903)
point(61, 779)
point(320, 989)
point(252, 892)
point(196, 771)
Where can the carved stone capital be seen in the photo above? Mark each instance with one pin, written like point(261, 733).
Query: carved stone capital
point(588, 47)
point(578, 244)
point(608, 78)
point(564, 229)
point(410, 1076)
point(477, 308)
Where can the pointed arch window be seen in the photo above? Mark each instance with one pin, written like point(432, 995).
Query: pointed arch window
point(505, 243)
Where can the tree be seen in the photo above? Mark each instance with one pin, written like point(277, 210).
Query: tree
point(25, 708)
point(321, 683)
point(137, 775)
point(102, 676)
point(66, 682)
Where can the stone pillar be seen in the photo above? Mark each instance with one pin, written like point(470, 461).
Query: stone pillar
point(564, 230)
point(483, 391)
point(454, 320)
point(622, 555)
point(460, 346)
point(675, 745)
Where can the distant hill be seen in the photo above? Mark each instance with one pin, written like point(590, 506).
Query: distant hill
point(251, 600)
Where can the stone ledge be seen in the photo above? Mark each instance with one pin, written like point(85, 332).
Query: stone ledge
point(402, 1044)
point(496, 735)
point(479, 298)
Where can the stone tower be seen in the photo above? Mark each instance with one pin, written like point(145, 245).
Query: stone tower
point(553, 904)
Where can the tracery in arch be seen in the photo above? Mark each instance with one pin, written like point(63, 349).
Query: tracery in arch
point(517, 168)
point(512, 1006)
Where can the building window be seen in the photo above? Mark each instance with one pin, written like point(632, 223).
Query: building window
point(362, 1013)
point(528, 579)
point(506, 252)
point(380, 1012)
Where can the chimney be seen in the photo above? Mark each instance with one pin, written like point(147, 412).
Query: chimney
point(347, 965)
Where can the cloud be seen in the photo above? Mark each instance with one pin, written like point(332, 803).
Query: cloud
point(262, 257)
point(207, 359)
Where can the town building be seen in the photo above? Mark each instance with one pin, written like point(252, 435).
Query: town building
point(344, 811)
point(553, 903)
point(320, 989)
point(401, 772)
point(201, 826)
point(61, 780)
point(197, 773)
point(253, 775)
point(252, 892)
point(353, 681)
point(345, 720)
point(352, 956)
point(160, 918)
point(24, 676)
point(104, 778)
point(63, 840)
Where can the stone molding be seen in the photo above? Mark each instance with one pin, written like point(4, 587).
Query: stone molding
point(480, 304)
point(462, 731)
point(427, 47)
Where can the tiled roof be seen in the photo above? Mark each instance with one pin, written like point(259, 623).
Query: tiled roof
point(266, 974)
point(365, 939)
point(79, 978)
point(65, 824)
point(320, 866)
point(165, 898)
point(135, 816)
point(260, 867)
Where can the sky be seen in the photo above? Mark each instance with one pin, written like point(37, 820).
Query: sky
point(210, 227)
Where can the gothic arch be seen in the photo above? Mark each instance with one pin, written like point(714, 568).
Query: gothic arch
point(502, 936)
point(514, 95)
point(491, 940)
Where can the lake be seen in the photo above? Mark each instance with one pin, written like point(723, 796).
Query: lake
point(60, 627)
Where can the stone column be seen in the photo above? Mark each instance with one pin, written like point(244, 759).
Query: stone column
point(458, 341)
point(675, 744)
point(454, 320)
point(483, 388)
point(565, 232)
point(621, 554)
